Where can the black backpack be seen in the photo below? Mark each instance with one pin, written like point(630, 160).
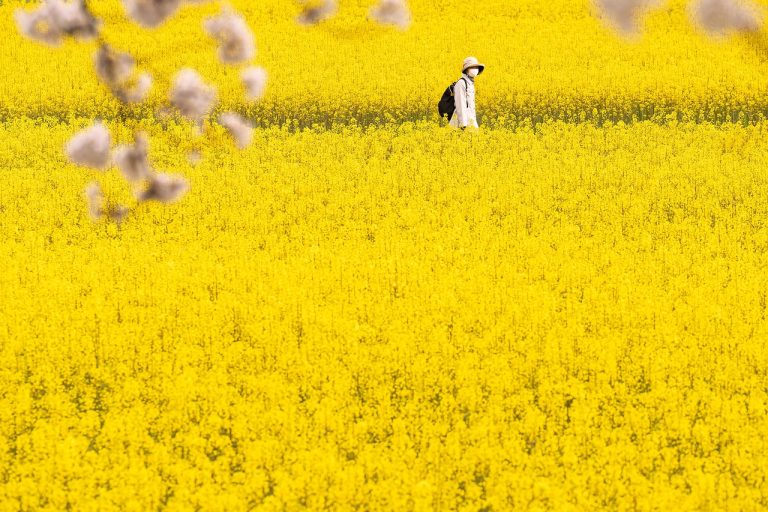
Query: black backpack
point(447, 105)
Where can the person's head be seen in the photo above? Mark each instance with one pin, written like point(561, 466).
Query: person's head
point(472, 67)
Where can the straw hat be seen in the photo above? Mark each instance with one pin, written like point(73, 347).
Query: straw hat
point(472, 62)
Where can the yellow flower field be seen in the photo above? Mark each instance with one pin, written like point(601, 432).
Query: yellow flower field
point(550, 59)
point(364, 310)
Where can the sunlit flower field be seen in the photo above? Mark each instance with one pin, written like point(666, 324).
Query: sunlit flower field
point(354, 307)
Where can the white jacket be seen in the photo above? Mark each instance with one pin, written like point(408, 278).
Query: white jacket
point(464, 97)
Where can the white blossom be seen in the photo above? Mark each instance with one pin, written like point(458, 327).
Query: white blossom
point(255, 82)
point(240, 129)
point(95, 200)
point(719, 17)
point(191, 95)
point(118, 213)
point(98, 207)
point(392, 12)
point(194, 157)
point(135, 92)
point(625, 15)
point(54, 19)
point(74, 19)
point(165, 188)
point(113, 67)
point(37, 25)
point(150, 13)
point(133, 160)
point(313, 14)
point(236, 44)
point(116, 70)
point(90, 147)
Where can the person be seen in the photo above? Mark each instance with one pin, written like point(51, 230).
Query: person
point(464, 95)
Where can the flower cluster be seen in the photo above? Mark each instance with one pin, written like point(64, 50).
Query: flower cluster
point(193, 98)
point(91, 148)
point(715, 17)
point(55, 19)
point(392, 12)
point(385, 12)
